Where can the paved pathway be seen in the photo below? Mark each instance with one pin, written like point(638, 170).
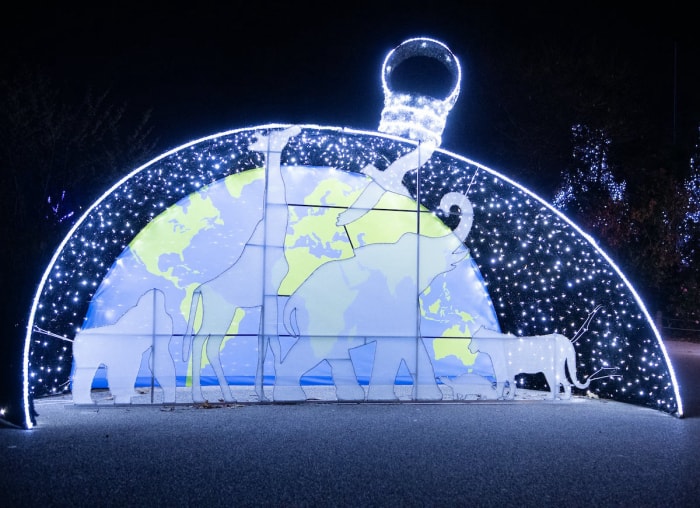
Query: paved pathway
point(582, 452)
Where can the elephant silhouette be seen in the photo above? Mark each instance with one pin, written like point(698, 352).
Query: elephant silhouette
point(370, 297)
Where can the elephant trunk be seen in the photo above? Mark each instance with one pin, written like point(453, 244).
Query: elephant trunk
point(466, 212)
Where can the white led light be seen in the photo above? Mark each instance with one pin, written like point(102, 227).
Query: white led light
point(414, 116)
point(516, 236)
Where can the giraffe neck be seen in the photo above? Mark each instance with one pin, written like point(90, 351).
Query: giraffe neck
point(275, 183)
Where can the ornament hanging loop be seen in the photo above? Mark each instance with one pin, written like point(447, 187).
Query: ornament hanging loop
point(418, 117)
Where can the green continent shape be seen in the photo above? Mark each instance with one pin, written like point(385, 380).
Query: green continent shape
point(400, 213)
point(174, 229)
point(392, 216)
point(314, 225)
point(455, 342)
point(178, 225)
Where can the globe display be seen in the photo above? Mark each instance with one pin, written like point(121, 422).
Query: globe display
point(177, 229)
point(302, 262)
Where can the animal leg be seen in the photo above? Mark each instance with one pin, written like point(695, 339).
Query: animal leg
point(503, 392)
point(263, 343)
point(387, 360)
point(500, 371)
point(567, 389)
point(288, 372)
point(82, 385)
point(289, 390)
point(121, 377)
point(214, 355)
point(567, 392)
point(345, 379)
point(164, 368)
point(197, 345)
point(554, 384)
point(425, 385)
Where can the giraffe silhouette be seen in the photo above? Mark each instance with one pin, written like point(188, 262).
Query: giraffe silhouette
point(262, 257)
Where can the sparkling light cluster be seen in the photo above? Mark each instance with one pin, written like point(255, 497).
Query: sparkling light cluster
point(543, 274)
point(592, 171)
point(414, 116)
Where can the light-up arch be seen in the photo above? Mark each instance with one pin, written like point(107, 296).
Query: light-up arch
point(367, 215)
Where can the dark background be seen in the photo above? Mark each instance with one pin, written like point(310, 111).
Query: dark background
point(205, 68)
point(530, 70)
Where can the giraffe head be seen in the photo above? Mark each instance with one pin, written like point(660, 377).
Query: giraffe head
point(274, 141)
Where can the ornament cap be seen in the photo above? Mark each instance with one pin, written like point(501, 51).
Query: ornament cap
point(416, 116)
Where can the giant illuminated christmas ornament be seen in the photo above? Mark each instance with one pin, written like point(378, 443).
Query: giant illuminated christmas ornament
point(301, 262)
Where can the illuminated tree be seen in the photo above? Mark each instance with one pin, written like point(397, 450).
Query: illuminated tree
point(691, 222)
point(686, 293)
point(543, 89)
point(590, 192)
point(652, 231)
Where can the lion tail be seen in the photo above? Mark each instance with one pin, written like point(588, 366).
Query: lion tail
point(571, 364)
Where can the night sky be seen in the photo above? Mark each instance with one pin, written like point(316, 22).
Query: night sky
point(204, 69)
